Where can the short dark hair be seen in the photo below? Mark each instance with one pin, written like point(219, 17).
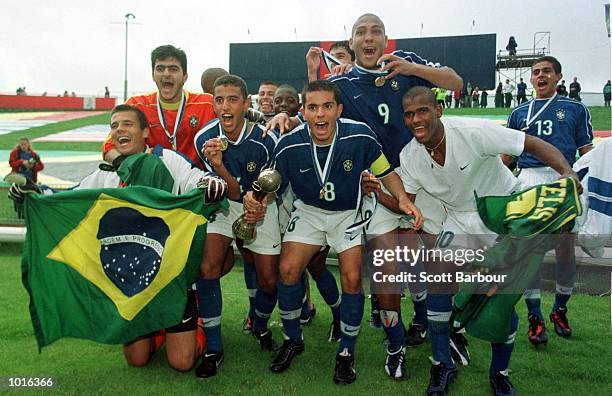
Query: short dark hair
point(343, 44)
point(321, 85)
point(234, 81)
point(421, 91)
point(268, 82)
point(209, 76)
point(289, 88)
point(142, 119)
point(556, 64)
point(169, 51)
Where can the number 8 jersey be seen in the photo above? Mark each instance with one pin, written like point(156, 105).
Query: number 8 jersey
point(331, 181)
point(564, 123)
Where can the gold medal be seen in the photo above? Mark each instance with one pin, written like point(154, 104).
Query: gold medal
point(224, 143)
point(380, 81)
point(321, 193)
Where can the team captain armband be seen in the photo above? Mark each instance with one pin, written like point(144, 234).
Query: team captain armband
point(381, 166)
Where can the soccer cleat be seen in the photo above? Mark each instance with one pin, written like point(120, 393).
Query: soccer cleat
point(501, 385)
point(247, 325)
point(440, 378)
point(334, 332)
point(265, 340)
point(415, 335)
point(306, 320)
point(344, 372)
point(395, 365)
point(210, 363)
point(559, 319)
point(285, 355)
point(459, 350)
point(537, 331)
point(375, 321)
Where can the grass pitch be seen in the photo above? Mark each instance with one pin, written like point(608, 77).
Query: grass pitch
point(579, 365)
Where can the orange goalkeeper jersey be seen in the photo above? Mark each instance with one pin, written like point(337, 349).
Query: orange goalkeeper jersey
point(198, 111)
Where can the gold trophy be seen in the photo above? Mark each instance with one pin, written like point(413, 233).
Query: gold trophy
point(269, 181)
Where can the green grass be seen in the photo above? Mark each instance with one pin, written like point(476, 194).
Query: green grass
point(10, 139)
point(579, 365)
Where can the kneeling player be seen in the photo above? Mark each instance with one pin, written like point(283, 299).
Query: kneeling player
point(322, 161)
point(236, 150)
point(129, 131)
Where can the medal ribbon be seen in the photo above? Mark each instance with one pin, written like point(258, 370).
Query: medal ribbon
point(362, 207)
point(530, 119)
point(241, 138)
point(323, 174)
point(177, 122)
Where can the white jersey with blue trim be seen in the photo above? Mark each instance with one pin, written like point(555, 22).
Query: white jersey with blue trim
point(246, 157)
point(381, 107)
point(564, 123)
point(355, 149)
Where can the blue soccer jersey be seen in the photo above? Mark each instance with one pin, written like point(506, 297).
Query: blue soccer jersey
point(246, 157)
point(332, 180)
point(564, 123)
point(380, 107)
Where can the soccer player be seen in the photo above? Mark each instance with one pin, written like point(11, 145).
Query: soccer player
point(129, 130)
point(453, 159)
point(566, 124)
point(207, 81)
point(239, 163)
point(174, 114)
point(372, 93)
point(265, 98)
point(322, 161)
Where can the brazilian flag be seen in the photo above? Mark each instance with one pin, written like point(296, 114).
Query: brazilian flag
point(525, 222)
point(111, 264)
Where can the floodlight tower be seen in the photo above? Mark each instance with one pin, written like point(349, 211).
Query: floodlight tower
point(128, 17)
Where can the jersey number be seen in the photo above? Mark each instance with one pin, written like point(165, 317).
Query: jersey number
point(383, 110)
point(544, 127)
point(328, 192)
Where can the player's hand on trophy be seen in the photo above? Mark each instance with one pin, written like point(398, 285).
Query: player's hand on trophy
point(406, 206)
point(254, 211)
point(215, 188)
point(369, 183)
point(397, 66)
point(213, 153)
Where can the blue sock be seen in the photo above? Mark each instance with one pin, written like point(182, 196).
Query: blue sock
point(211, 303)
point(420, 308)
point(250, 280)
point(533, 301)
point(500, 359)
point(351, 313)
point(326, 283)
point(439, 307)
point(565, 274)
point(394, 328)
point(264, 305)
point(290, 307)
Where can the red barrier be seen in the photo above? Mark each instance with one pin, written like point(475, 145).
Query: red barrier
point(23, 102)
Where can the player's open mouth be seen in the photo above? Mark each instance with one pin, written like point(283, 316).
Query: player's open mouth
point(321, 126)
point(122, 140)
point(369, 51)
point(418, 131)
point(542, 83)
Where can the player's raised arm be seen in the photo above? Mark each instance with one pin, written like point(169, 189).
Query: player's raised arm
point(443, 77)
point(550, 155)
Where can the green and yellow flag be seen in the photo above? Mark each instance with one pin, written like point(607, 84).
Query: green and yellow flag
point(111, 265)
point(525, 220)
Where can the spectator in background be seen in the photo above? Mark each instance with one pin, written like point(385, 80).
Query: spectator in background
point(449, 98)
point(73, 94)
point(508, 90)
point(521, 92)
point(440, 94)
point(106, 92)
point(574, 90)
point(499, 96)
point(561, 89)
point(65, 94)
point(607, 93)
point(44, 93)
point(475, 97)
point(468, 96)
point(25, 161)
point(457, 97)
point(483, 99)
point(511, 47)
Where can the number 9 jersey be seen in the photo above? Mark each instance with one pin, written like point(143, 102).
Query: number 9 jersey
point(564, 123)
